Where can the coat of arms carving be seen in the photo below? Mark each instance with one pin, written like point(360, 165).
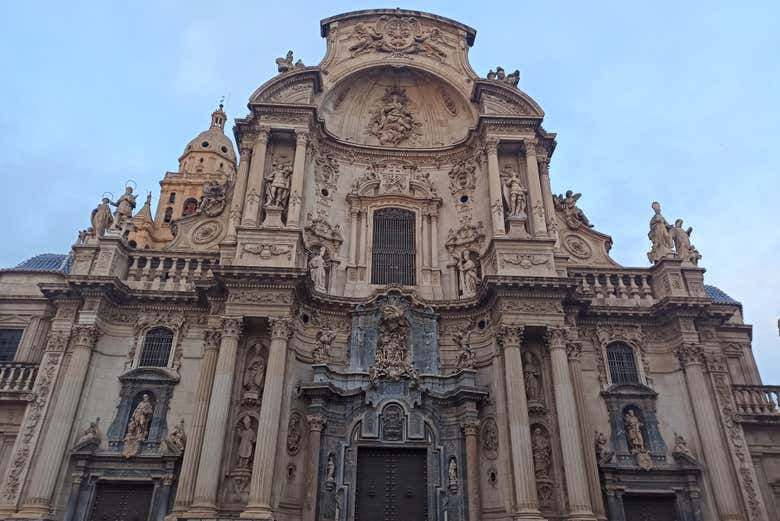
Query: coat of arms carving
point(399, 36)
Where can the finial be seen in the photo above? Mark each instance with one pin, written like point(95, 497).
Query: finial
point(221, 102)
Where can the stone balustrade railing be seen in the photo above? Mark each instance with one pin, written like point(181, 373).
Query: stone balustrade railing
point(16, 378)
point(624, 287)
point(169, 271)
point(758, 402)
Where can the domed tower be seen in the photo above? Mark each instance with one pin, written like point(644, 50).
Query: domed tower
point(209, 157)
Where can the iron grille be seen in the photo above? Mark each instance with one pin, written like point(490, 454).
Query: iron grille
point(622, 365)
point(394, 255)
point(157, 347)
point(9, 342)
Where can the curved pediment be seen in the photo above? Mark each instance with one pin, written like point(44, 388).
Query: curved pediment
point(499, 99)
point(397, 107)
point(297, 87)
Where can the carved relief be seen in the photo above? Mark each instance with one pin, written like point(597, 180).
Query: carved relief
point(573, 216)
point(489, 438)
point(393, 423)
point(398, 36)
point(392, 122)
point(542, 451)
point(90, 438)
point(463, 178)
point(206, 232)
point(177, 438)
point(294, 433)
point(267, 250)
point(277, 185)
point(525, 262)
point(212, 202)
point(321, 352)
point(577, 247)
point(501, 76)
point(467, 359)
point(393, 360)
point(468, 235)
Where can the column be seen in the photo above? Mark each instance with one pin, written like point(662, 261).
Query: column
point(511, 337)
point(296, 184)
point(316, 426)
point(189, 466)
point(54, 443)
point(549, 205)
point(494, 187)
point(714, 451)
point(574, 350)
point(354, 213)
point(254, 187)
point(536, 205)
point(568, 427)
point(239, 191)
point(260, 488)
point(434, 240)
point(425, 240)
point(363, 258)
point(471, 430)
point(205, 495)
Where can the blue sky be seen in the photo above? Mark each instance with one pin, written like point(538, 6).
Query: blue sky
point(670, 101)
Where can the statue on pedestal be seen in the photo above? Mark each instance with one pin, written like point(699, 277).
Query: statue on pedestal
point(101, 217)
point(138, 427)
point(317, 271)
point(660, 236)
point(124, 208)
point(278, 185)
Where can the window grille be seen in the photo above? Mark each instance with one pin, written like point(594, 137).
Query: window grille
point(157, 347)
point(393, 257)
point(9, 343)
point(622, 364)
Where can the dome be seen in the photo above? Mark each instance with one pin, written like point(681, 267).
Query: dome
point(213, 140)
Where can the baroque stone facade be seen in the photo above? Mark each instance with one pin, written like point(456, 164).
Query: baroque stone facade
point(378, 308)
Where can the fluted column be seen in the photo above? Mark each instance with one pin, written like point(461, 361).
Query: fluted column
point(54, 443)
point(189, 466)
point(354, 213)
point(715, 452)
point(574, 350)
point(260, 488)
point(296, 184)
point(471, 430)
point(239, 190)
point(205, 497)
point(316, 426)
point(494, 187)
point(526, 504)
point(568, 427)
point(549, 205)
point(534, 189)
point(254, 189)
point(434, 240)
point(426, 243)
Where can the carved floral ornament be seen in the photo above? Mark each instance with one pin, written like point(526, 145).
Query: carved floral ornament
point(397, 36)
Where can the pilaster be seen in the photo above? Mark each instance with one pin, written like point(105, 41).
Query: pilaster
point(296, 183)
point(254, 189)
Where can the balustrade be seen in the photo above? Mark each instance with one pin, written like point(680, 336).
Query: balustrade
point(169, 272)
point(619, 288)
point(16, 377)
point(757, 400)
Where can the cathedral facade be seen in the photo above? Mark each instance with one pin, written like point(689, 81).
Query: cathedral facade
point(377, 307)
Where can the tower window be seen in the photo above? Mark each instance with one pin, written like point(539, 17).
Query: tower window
point(394, 254)
point(172, 197)
point(168, 215)
point(622, 364)
point(157, 347)
point(9, 343)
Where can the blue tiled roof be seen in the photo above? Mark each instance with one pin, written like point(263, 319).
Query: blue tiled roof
point(718, 296)
point(46, 262)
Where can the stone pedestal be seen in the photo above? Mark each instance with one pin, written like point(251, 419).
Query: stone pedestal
point(269, 248)
point(668, 280)
point(273, 217)
point(518, 227)
point(524, 257)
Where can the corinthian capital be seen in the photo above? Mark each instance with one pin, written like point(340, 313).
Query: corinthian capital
point(510, 335)
point(316, 422)
point(280, 328)
point(232, 327)
point(301, 136)
point(263, 132)
point(84, 337)
point(491, 145)
point(555, 337)
point(690, 354)
point(212, 338)
point(470, 427)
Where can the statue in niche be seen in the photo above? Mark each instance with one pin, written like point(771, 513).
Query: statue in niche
point(541, 453)
point(101, 217)
point(317, 272)
point(124, 208)
point(393, 122)
point(531, 375)
point(682, 243)
point(634, 436)
point(138, 427)
point(294, 434)
point(452, 474)
point(278, 185)
point(573, 215)
point(392, 352)
point(89, 437)
point(177, 439)
point(254, 377)
point(469, 278)
point(286, 64)
point(659, 235)
point(325, 338)
point(515, 194)
point(466, 359)
point(330, 468)
point(246, 443)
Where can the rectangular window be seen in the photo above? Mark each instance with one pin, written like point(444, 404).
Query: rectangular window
point(9, 343)
point(394, 255)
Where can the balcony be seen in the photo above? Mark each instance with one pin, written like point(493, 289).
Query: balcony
point(609, 287)
point(758, 403)
point(169, 271)
point(16, 380)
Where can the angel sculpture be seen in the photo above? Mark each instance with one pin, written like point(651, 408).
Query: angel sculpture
point(573, 214)
point(682, 242)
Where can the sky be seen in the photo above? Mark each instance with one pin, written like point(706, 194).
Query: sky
point(669, 101)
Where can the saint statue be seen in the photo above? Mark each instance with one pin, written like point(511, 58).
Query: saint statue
point(682, 242)
point(317, 271)
point(515, 194)
point(541, 453)
point(138, 427)
point(531, 375)
point(452, 472)
point(101, 217)
point(255, 376)
point(659, 235)
point(681, 446)
point(124, 208)
point(330, 469)
point(176, 438)
point(89, 436)
point(468, 274)
point(278, 185)
point(246, 443)
point(633, 432)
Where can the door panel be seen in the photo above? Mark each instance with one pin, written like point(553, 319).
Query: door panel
point(122, 502)
point(392, 485)
point(649, 508)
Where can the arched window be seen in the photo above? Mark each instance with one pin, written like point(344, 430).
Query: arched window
point(157, 347)
point(394, 254)
point(622, 364)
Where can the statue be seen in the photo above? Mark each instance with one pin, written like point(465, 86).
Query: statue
point(325, 338)
point(330, 468)
point(452, 473)
point(212, 202)
point(176, 439)
point(393, 122)
point(466, 359)
point(101, 217)
point(682, 243)
point(633, 433)
point(468, 274)
point(573, 215)
point(500, 75)
point(392, 351)
point(681, 448)
point(278, 185)
point(531, 376)
point(89, 437)
point(246, 443)
point(659, 235)
point(286, 64)
point(138, 427)
point(124, 208)
point(254, 377)
point(541, 453)
point(317, 271)
point(515, 194)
